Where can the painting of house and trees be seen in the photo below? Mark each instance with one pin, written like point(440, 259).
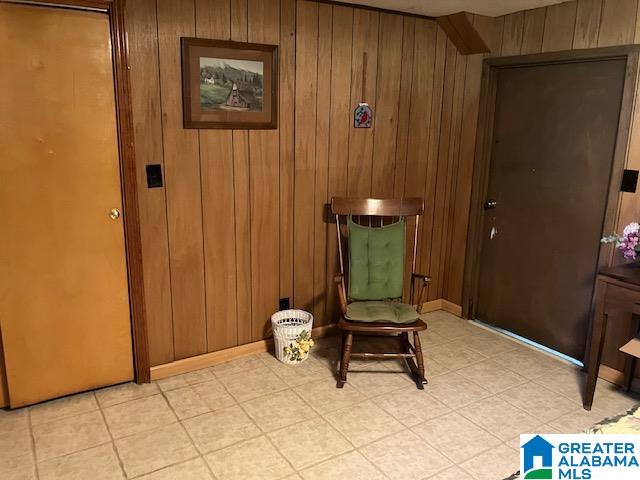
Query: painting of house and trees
point(229, 84)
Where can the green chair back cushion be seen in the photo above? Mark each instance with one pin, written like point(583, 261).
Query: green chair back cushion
point(376, 261)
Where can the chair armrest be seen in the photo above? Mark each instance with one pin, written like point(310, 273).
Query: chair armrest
point(426, 280)
point(342, 292)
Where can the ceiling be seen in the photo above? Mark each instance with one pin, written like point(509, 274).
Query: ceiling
point(435, 8)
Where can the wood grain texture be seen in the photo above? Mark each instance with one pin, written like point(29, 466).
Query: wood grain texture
point(262, 195)
point(425, 120)
point(453, 179)
point(459, 29)
point(512, 34)
point(460, 214)
point(432, 249)
point(533, 30)
point(182, 171)
point(405, 101)
point(363, 89)
point(264, 151)
point(587, 25)
point(339, 126)
point(323, 117)
point(421, 144)
point(618, 22)
point(387, 105)
point(558, 27)
point(286, 96)
point(241, 186)
point(143, 58)
point(305, 150)
point(216, 158)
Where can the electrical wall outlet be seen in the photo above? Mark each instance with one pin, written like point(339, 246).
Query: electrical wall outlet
point(284, 303)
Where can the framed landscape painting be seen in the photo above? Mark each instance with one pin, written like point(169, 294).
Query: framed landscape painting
point(229, 84)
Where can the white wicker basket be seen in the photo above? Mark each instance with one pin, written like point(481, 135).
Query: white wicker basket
point(286, 326)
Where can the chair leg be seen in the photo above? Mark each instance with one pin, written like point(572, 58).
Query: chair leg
point(417, 371)
point(347, 341)
point(419, 359)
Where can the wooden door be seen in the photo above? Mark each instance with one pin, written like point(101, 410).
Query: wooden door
point(554, 137)
point(64, 304)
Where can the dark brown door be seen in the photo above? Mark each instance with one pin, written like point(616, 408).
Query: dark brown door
point(552, 152)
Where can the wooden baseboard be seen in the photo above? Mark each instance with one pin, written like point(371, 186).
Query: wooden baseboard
point(452, 308)
point(432, 306)
point(442, 304)
point(214, 358)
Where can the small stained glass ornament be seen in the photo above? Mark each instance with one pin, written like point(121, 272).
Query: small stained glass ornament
point(362, 116)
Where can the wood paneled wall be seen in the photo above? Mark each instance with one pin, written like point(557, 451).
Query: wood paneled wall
point(241, 220)
point(566, 26)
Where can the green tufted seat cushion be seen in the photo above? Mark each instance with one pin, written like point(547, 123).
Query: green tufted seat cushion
point(380, 311)
point(376, 261)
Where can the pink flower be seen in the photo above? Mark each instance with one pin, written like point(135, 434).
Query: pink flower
point(632, 228)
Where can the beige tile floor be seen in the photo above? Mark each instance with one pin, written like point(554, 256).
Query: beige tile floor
point(256, 418)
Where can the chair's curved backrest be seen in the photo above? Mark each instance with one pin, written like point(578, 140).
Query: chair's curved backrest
point(376, 229)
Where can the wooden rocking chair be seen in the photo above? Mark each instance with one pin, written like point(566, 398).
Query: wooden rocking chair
point(371, 306)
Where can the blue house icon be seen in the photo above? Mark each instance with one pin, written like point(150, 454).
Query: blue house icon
point(537, 447)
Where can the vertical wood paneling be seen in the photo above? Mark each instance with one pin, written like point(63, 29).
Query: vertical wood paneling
point(305, 148)
point(491, 30)
point(323, 113)
point(264, 151)
point(442, 174)
point(618, 22)
point(242, 219)
point(558, 27)
point(242, 199)
point(533, 30)
point(364, 67)
point(143, 58)
point(184, 201)
point(460, 217)
point(404, 105)
point(587, 24)
point(339, 126)
point(427, 85)
point(512, 33)
point(452, 174)
point(212, 21)
point(287, 64)
point(216, 159)
point(387, 100)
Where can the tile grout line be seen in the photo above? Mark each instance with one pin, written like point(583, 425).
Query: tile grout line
point(265, 434)
point(112, 442)
point(322, 416)
point(32, 440)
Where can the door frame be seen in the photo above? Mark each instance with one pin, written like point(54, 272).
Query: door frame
point(115, 9)
point(483, 151)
